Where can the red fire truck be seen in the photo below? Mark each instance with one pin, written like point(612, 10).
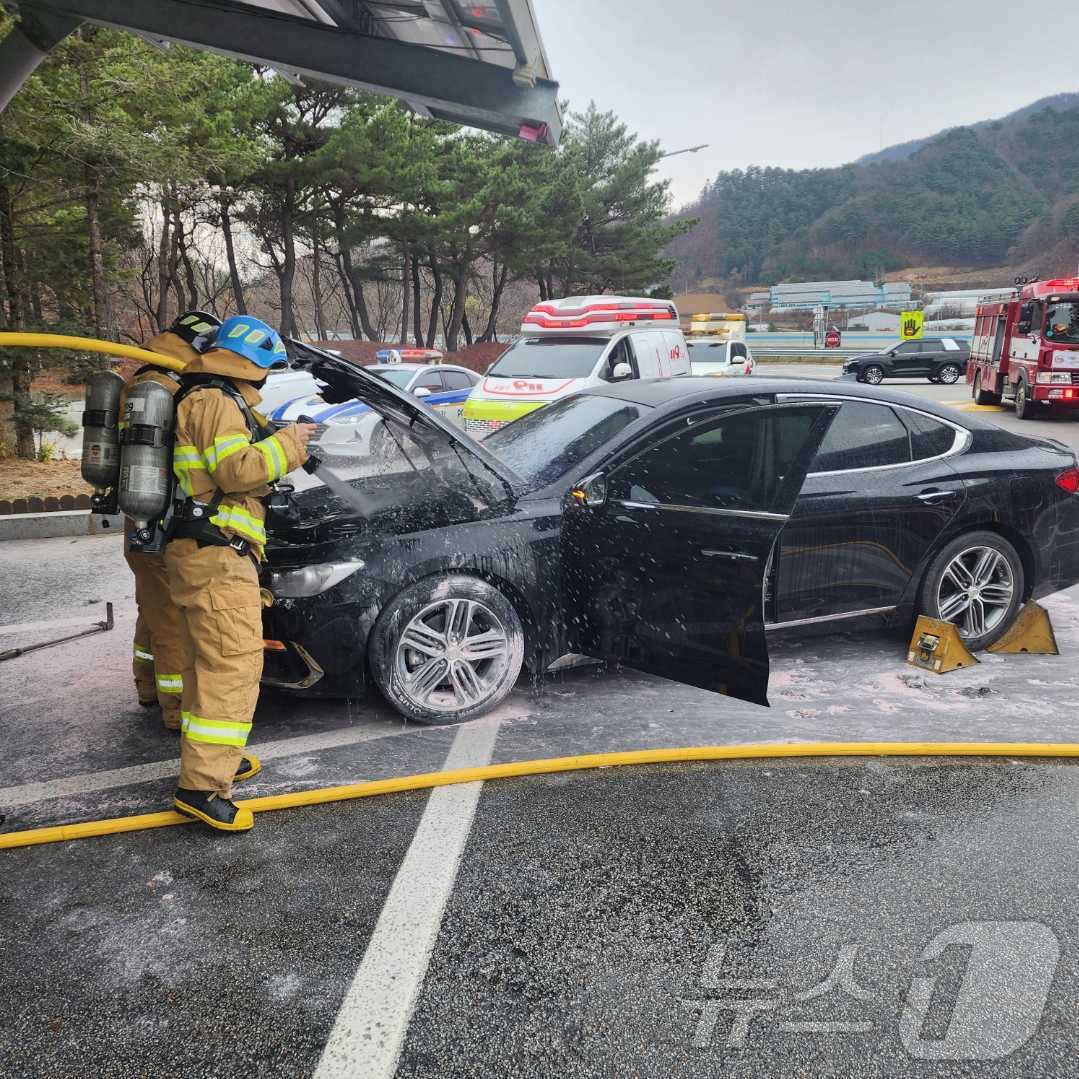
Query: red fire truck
point(1026, 349)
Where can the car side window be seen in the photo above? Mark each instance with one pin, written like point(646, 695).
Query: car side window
point(931, 344)
point(621, 353)
point(928, 437)
point(431, 381)
point(457, 380)
point(738, 461)
point(738, 352)
point(863, 435)
point(908, 347)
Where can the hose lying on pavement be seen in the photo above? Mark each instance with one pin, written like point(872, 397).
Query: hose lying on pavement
point(544, 766)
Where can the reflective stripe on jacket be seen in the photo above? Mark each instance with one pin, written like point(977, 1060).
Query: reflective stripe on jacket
point(214, 452)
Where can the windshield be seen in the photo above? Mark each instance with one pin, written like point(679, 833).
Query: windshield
point(545, 444)
point(395, 375)
point(550, 357)
point(1062, 325)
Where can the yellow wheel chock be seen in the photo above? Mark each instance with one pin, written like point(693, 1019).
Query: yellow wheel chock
point(936, 646)
point(1032, 632)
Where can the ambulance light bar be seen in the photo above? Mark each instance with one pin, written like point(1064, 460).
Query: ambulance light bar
point(551, 316)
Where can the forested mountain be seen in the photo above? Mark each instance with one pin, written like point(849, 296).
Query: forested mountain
point(1002, 192)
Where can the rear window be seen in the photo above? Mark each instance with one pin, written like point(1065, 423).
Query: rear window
point(928, 437)
point(550, 357)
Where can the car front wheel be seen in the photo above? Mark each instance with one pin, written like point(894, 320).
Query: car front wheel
point(384, 448)
point(976, 583)
point(948, 374)
point(447, 649)
point(873, 374)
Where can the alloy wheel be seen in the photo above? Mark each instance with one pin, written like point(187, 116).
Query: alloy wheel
point(383, 447)
point(874, 375)
point(975, 591)
point(948, 374)
point(452, 655)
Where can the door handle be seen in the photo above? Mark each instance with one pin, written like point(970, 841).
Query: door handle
point(733, 556)
point(937, 496)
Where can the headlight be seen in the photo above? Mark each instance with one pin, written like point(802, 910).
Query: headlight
point(311, 580)
point(1059, 378)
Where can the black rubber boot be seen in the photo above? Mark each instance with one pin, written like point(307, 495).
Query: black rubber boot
point(249, 766)
point(210, 808)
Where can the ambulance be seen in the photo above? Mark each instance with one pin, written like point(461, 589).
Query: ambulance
point(569, 345)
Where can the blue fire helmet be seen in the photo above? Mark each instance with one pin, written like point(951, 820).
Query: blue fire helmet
point(252, 339)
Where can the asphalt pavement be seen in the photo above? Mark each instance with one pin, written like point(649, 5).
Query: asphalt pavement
point(862, 917)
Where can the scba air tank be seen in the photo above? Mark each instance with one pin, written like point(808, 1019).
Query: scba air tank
point(146, 458)
point(100, 430)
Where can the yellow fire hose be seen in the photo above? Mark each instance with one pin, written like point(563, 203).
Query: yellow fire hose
point(546, 766)
point(87, 344)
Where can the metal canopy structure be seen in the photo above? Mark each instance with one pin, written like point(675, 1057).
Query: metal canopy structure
point(478, 63)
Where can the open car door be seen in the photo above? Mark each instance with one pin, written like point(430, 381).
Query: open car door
point(667, 549)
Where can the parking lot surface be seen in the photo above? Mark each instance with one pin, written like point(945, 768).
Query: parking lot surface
point(594, 923)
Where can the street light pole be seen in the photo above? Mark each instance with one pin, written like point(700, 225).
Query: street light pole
point(687, 150)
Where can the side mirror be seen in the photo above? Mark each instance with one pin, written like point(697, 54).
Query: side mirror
point(421, 391)
point(590, 492)
point(621, 371)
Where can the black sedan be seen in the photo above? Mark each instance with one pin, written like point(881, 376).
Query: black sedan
point(939, 359)
point(662, 524)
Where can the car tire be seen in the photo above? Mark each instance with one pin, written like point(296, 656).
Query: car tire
point(383, 448)
point(1025, 408)
point(999, 577)
point(934, 380)
point(948, 374)
point(873, 374)
point(983, 397)
point(419, 652)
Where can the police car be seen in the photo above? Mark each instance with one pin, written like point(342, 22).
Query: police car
point(353, 430)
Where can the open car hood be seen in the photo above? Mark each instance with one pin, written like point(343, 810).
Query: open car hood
point(349, 381)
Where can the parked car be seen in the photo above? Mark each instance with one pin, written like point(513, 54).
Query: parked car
point(716, 357)
point(639, 521)
point(282, 387)
point(940, 359)
point(352, 429)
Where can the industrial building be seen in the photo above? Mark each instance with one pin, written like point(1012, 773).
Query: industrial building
point(806, 295)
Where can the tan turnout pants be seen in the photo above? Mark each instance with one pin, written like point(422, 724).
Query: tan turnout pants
point(217, 592)
point(159, 643)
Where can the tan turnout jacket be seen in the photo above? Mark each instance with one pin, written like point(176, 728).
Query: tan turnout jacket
point(214, 452)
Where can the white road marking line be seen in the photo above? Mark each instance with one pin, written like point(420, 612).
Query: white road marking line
point(370, 1029)
point(27, 793)
point(56, 623)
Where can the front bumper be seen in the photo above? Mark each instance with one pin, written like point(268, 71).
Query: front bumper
point(1067, 396)
point(484, 415)
point(315, 648)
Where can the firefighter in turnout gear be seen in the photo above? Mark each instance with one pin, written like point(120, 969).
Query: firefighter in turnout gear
point(225, 461)
point(159, 636)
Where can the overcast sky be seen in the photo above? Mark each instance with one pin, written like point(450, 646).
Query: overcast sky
point(802, 84)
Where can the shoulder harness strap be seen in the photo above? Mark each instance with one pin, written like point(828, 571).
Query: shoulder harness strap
point(190, 383)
